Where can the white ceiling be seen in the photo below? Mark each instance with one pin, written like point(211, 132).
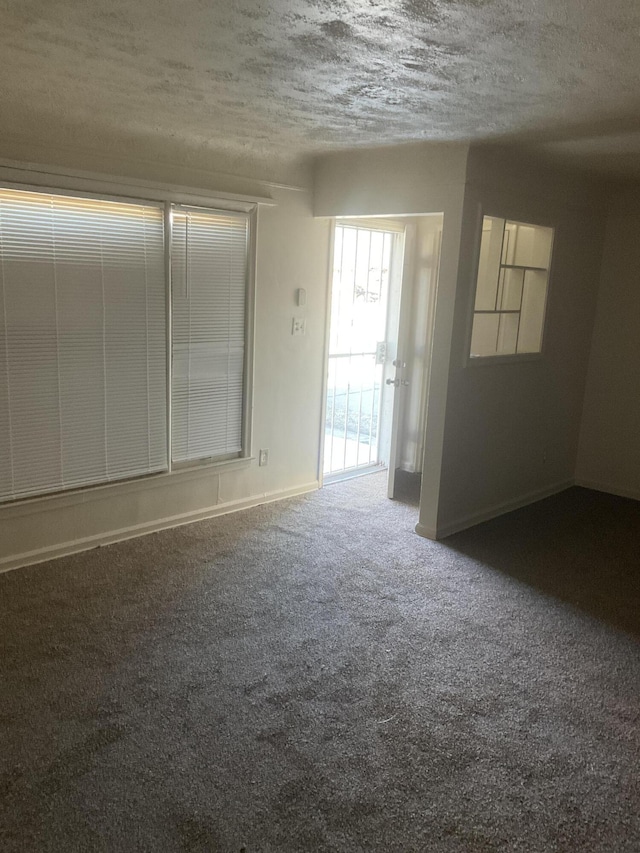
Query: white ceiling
point(283, 78)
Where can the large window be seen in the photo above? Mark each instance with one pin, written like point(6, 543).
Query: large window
point(83, 339)
point(511, 290)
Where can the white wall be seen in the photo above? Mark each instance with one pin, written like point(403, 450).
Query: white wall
point(495, 435)
point(151, 157)
point(511, 429)
point(292, 252)
point(397, 180)
point(409, 180)
point(609, 451)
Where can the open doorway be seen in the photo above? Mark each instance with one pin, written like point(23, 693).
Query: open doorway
point(383, 284)
point(367, 265)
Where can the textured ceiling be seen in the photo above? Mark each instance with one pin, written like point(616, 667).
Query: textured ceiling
point(282, 78)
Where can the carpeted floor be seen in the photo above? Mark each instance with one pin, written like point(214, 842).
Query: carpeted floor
point(313, 676)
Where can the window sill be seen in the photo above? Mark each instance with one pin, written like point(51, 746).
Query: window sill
point(57, 500)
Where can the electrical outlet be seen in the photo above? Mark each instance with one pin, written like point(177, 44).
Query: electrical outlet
point(299, 326)
point(263, 458)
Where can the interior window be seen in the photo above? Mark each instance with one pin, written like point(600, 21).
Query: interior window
point(511, 289)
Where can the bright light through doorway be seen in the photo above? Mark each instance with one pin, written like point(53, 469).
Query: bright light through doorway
point(360, 291)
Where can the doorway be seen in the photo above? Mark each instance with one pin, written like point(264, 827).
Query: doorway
point(383, 284)
point(366, 286)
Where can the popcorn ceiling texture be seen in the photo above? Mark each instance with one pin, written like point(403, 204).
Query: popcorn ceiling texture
point(275, 80)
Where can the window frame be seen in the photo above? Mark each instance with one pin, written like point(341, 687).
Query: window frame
point(103, 188)
point(504, 358)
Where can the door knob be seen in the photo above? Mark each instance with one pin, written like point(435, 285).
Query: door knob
point(397, 382)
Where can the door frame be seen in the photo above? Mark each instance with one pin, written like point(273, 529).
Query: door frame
point(325, 351)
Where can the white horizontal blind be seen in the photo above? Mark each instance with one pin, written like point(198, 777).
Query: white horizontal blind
point(209, 280)
point(82, 342)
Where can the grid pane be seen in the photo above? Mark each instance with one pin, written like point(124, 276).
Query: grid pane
point(511, 288)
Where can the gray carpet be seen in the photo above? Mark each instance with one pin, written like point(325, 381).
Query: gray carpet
point(313, 676)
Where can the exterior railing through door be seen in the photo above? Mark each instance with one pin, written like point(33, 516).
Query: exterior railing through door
point(353, 402)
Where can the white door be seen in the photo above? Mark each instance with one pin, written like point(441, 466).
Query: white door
point(411, 316)
point(395, 380)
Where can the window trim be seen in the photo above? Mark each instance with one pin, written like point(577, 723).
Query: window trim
point(503, 358)
point(84, 185)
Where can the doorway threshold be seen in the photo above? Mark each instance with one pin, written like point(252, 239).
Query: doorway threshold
point(351, 473)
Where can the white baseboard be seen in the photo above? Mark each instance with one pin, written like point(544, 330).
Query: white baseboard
point(42, 555)
point(425, 532)
point(620, 491)
point(487, 514)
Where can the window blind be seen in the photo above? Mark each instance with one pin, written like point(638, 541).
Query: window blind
point(82, 342)
point(209, 280)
